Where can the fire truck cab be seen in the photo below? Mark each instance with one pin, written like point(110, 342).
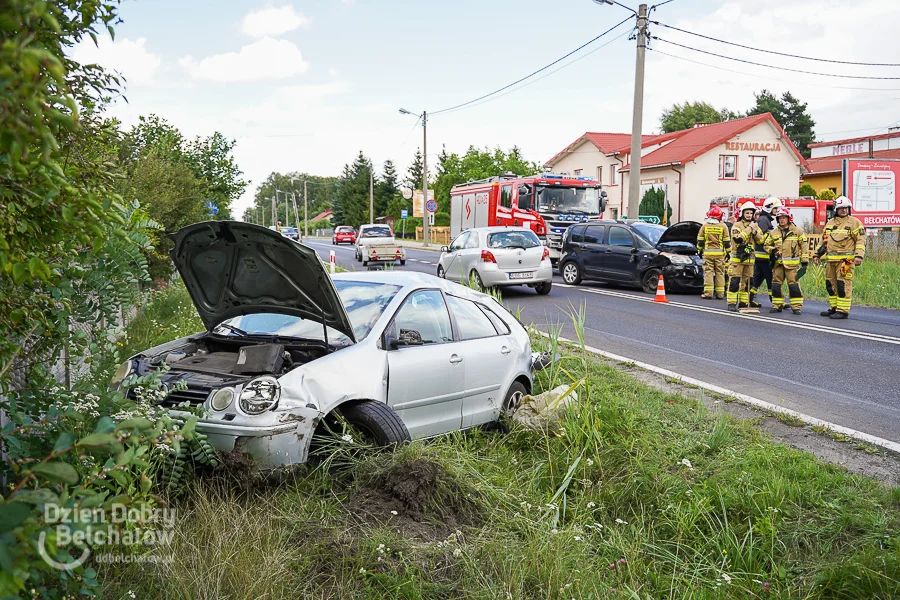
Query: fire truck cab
point(546, 203)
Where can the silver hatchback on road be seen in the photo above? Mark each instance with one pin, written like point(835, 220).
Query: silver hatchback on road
point(498, 256)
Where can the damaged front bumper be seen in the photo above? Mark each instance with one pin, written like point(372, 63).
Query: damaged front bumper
point(282, 442)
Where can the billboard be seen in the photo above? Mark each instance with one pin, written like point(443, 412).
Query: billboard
point(419, 203)
point(871, 185)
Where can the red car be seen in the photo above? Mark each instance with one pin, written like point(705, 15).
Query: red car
point(343, 235)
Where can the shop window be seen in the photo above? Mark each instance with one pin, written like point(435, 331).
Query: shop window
point(727, 166)
point(757, 167)
point(506, 196)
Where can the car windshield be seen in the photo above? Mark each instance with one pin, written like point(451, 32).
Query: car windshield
point(377, 232)
point(513, 239)
point(649, 232)
point(556, 199)
point(364, 302)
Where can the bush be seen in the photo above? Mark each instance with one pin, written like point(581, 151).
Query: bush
point(826, 195)
point(807, 190)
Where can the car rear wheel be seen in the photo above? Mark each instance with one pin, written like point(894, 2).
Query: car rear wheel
point(571, 272)
point(651, 280)
point(441, 273)
point(475, 278)
point(543, 288)
point(402, 262)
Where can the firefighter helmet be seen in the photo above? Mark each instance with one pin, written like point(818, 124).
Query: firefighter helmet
point(842, 202)
point(714, 213)
point(784, 212)
point(748, 205)
point(772, 204)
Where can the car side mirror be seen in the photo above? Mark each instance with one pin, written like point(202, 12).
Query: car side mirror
point(634, 250)
point(445, 249)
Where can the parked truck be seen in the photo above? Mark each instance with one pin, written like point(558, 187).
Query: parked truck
point(375, 243)
point(547, 203)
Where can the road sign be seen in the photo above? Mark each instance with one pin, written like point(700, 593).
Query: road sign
point(431, 206)
point(649, 219)
point(211, 208)
point(406, 192)
point(404, 213)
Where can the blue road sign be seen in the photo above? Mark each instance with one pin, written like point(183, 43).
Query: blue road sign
point(211, 208)
point(404, 213)
point(431, 206)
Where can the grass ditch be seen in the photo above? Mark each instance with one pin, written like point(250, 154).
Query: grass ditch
point(636, 493)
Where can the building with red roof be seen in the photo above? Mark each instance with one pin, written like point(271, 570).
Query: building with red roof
point(827, 158)
point(750, 156)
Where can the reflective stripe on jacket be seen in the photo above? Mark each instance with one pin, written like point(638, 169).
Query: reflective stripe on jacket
point(792, 243)
point(713, 239)
point(843, 238)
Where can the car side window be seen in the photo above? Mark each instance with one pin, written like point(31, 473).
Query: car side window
point(619, 236)
point(499, 324)
point(472, 240)
point(577, 234)
point(593, 234)
point(423, 318)
point(470, 319)
point(459, 242)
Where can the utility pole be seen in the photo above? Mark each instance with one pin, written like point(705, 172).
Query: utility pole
point(274, 213)
point(371, 196)
point(296, 216)
point(634, 173)
point(305, 211)
point(425, 176)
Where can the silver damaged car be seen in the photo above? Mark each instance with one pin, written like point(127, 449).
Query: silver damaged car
point(399, 355)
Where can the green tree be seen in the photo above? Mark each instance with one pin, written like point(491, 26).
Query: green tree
point(653, 203)
point(477, 164)
point(352, 200)
point(320, 189)
point(415, 171)
point(387, 189)
point(807, 190)
point(826, 194)
point(791, 114)
point(685, 116)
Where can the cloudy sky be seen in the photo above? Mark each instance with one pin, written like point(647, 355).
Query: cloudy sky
point(305, 84)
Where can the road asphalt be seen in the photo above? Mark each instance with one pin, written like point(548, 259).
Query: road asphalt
point(845, 372)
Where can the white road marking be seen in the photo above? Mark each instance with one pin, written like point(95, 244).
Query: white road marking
point(887, 339)
point(810, 420)
point(425, 262)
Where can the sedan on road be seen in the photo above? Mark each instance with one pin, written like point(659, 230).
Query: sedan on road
point(343, 235)
point(498, 257)
point(288, 349)
point(633, 253)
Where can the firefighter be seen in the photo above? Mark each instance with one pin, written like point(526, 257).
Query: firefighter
point(843, 246)
point(791, 251)
point(762, 269)
point(744, 235)
point(713, 242)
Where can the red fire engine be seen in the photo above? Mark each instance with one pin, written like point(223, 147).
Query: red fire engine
point(805, 209)
point(547, 204)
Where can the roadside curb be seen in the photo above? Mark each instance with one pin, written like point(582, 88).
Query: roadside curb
point(743, 398)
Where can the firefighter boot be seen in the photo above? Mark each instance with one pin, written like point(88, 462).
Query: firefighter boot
point(775, 309)
point(827, 313)
point(839, 315)
point(796, 311)
point(753, 302)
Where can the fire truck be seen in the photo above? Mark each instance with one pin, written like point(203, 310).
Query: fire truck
point(546, 203)
point(806, 210)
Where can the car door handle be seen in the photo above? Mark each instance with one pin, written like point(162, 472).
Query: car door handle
point(505, 350)
point(455, 359)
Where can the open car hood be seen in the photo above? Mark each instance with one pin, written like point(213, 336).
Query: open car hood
point(686, 231)
point(232, 269)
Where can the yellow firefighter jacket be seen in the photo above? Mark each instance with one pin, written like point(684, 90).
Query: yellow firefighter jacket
point(743, 237)
point(843, 238)
point(713, 239)
point(793, 245)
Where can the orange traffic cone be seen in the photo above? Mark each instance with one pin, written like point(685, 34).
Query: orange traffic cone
point(660, 291)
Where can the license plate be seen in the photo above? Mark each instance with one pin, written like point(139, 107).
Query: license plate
point(521, 275)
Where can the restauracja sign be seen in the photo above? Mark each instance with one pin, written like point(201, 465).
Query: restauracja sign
point(752, 147)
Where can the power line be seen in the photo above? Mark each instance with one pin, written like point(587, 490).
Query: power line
point(825, 60)
point(750, 62)
point(720, 68)
point(544, 68)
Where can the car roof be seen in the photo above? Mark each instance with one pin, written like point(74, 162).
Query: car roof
point(497, 228)
point(410, 280)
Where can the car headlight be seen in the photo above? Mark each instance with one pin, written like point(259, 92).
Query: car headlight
point(124, 370)
point(677, 259)
point(260, 395)
point(221, 399)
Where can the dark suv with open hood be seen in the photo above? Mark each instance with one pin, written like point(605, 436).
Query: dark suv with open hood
point(633, 253)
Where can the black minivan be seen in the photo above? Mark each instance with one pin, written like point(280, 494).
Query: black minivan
point(633, 253)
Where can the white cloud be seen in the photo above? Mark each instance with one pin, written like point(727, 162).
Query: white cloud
point(273, 21)
point(266, 59)
point(130, 58)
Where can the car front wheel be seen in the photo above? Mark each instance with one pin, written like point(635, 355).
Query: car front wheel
point(513, 399)
point(571, 272)
point(377, 422)
point(441, 273)
point(650, 280)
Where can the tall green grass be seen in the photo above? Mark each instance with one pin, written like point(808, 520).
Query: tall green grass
point(635, 493)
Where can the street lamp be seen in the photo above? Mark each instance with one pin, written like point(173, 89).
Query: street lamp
point(424, 117)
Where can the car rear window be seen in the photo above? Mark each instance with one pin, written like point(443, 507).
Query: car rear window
point(513, 239)
point(345, 230)
point(377, 232)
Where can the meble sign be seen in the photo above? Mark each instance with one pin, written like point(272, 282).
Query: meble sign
point(752, 147)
